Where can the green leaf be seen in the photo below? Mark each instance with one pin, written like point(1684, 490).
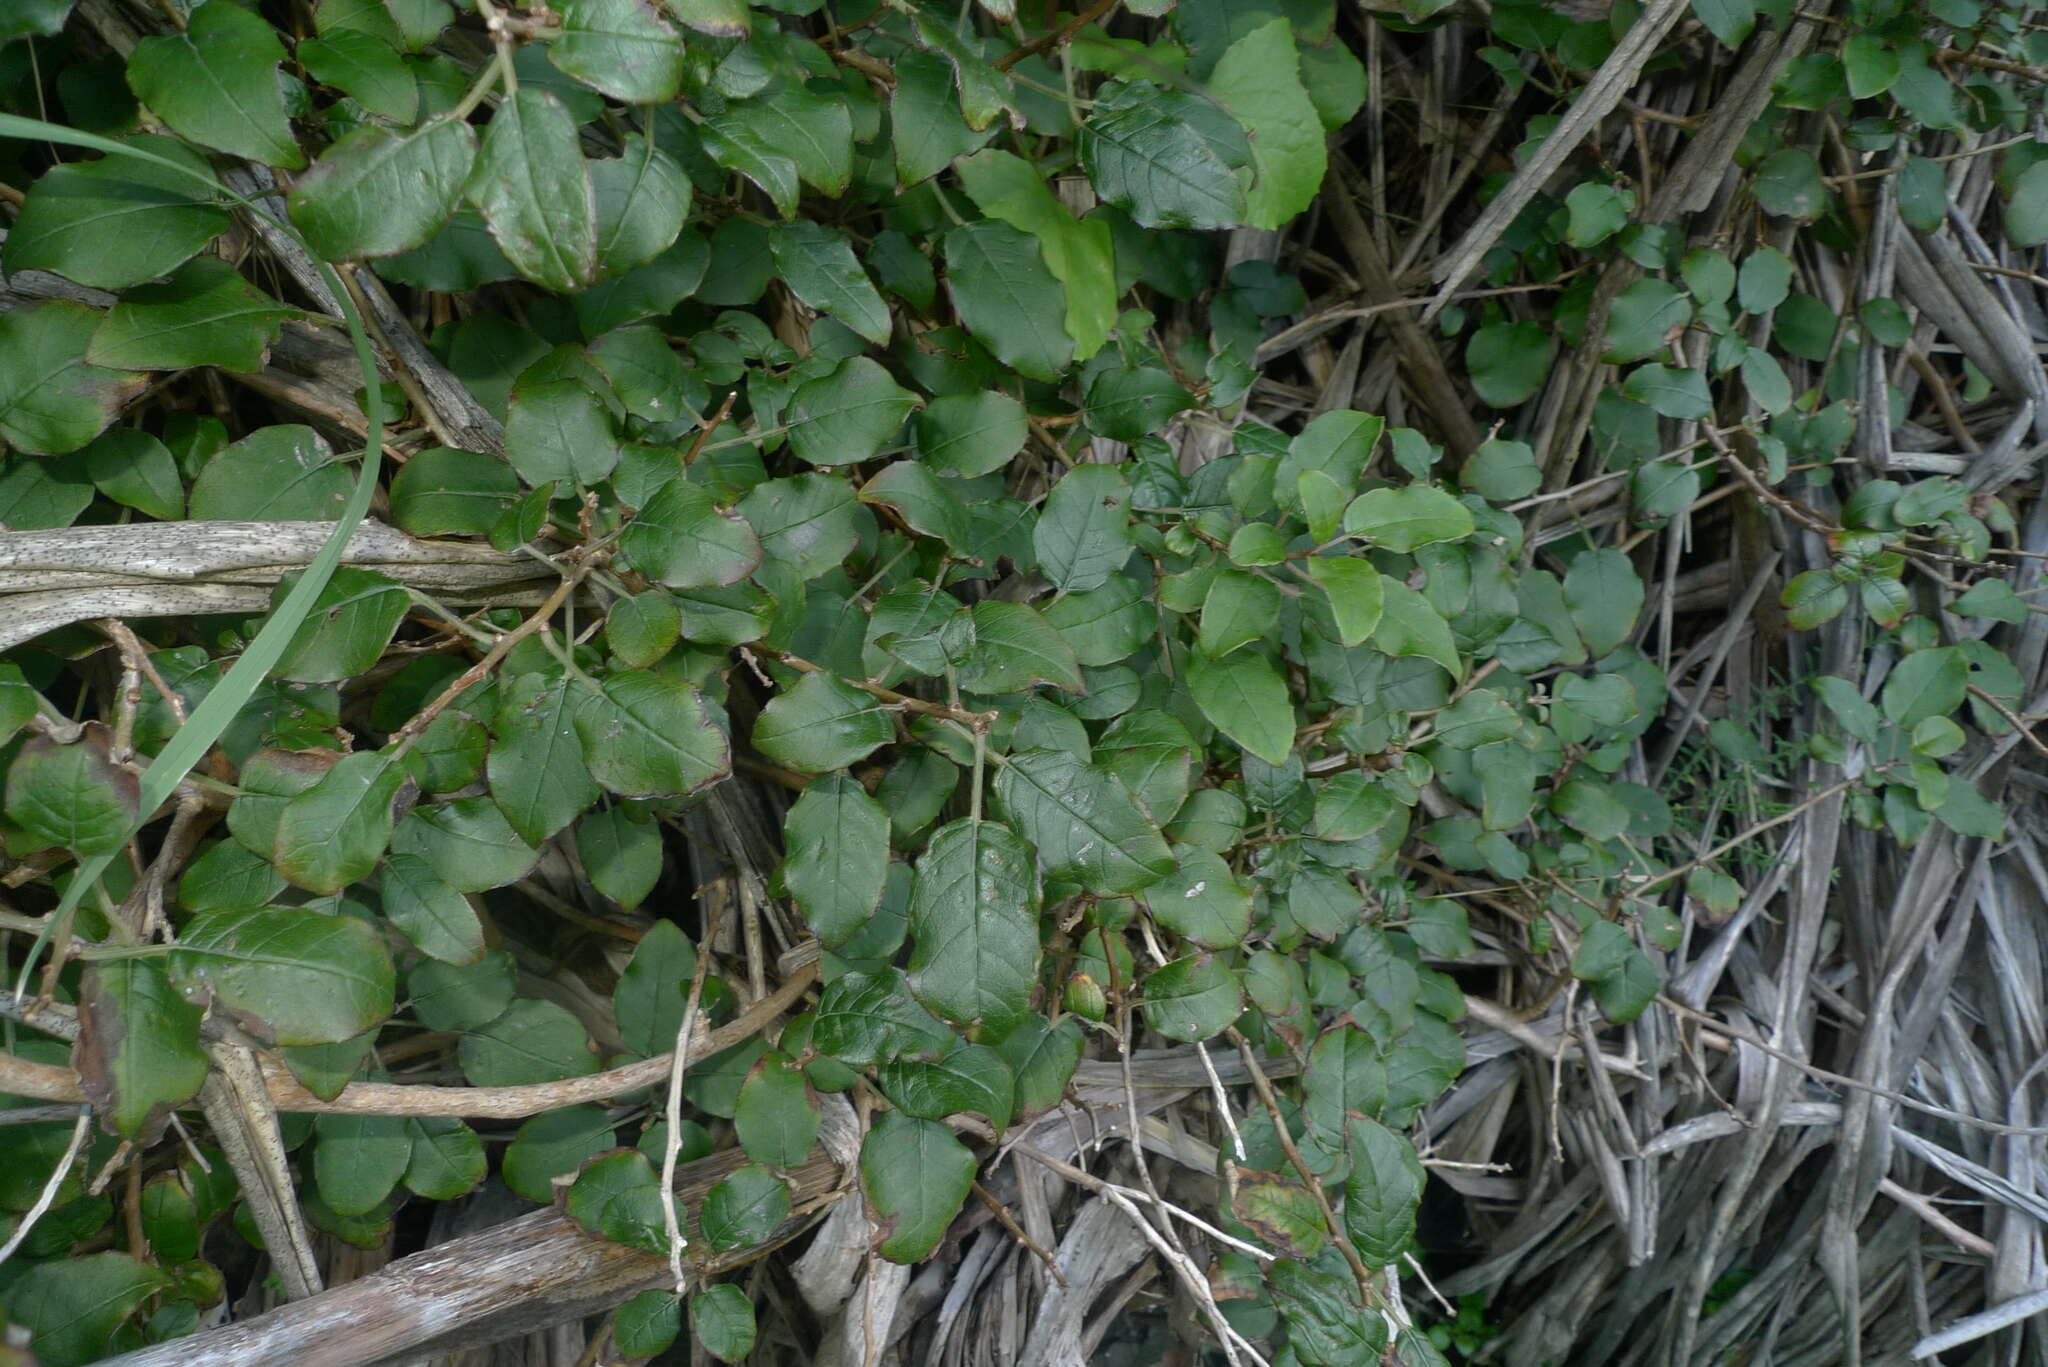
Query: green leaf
point(818, 265)
point(1643, 319)
point(552, 1144)
point(72, 796)
point(982, 92)
point(865, 1018)
point(1258, 80)
point(618, 1197)
point(1591, 808)
point(1812, 597)
point(1352, 806)
point(1382, 1192)
point(1280, 1213)
point(1508, 362)
point(1501, 471)
point(376, 192)
point(680, 538)
point(138, 1053)
point(1788, 184)
point(1870, 65)
point(640, 630)
point(1410, 626)
point(43, 494)
point(1077, 252)
point(926, 124)
point(1165, 156)
point(744, 1210)
point(72, 1306)
point(1993, 599)
point(118, 221)
point(1404, 518)
point(970, 434)
point(35, 18)
point(1326, 1325)
point(217, 84)
point(972, 1080)
point(358, 1159)
point(559, 430)
point(468, 842)
point(1008, 299)
point(647, 1324)
point(974, 926)
point(350, 624)
point(1127, 403)
point(925, 503)
point(1009, 646)
point(723, 19)
point(621, 856)
point(533, 189)
point(780, 138)
point(1238, 609)
point(847, 416)
point(533, 1041)
point(915, 1176)
point(1084, 822)
point(1192, 999)
point(536, 768)
point(365, 68)
point(1083, 534)
point(1966, 812)
point(808, 522)
point(836, 857)
point(1604, 596)
point(1597, 211)
point(434, 916)
point(653, 735)
point(1764, 280)
point(133, 468)
point(51, 400)
point(777, 1115)
point(205, 314)
point(443, 492)
point(642, 197)
point(1927, 683)
point(288, 976)
point(1202, 900)
point(621, 48)
point(821, 724)
point(18, 705)
point(275, 474)
point(334, 833)
point(1731, 21)
point(649, 999)
point(2026, 213)
point(721, 1316)
point(1247, 700)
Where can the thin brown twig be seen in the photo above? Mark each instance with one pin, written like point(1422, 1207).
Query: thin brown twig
point(1009, 1222)
point(1264, 1087)
point(2018, 724)
point(1057, 36)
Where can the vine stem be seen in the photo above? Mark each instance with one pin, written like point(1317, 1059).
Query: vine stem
point(1264, 1087)
point(672, 1142)
point(48, 1196)
point(958, 715)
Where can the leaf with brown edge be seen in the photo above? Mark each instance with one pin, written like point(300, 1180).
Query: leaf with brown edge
point(138, 1052)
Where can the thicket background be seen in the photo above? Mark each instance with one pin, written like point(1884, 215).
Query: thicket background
point(1280, 681)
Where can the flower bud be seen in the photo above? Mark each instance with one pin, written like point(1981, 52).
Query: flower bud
point(1084, 998)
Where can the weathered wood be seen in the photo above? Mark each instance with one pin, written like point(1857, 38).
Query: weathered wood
point(50, 579)
point(511, 1279)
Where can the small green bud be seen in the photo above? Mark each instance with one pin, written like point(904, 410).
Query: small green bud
point(1085, 999)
